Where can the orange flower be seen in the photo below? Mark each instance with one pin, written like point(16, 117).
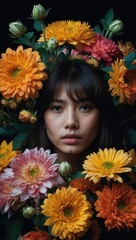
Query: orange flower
point(21, 73)
point(117, 205)
point(122, 82)
point(6, 154)
point(36, 235)
point(84, 184)
point(126, 47)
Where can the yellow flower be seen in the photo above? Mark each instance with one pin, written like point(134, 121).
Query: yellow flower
point(72, 32)
point(21, 73)
point(69, 213)
point(6, 154)
point(106, 163)
point(122, 82)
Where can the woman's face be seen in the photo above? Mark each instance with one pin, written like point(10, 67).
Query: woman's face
point(71, 126)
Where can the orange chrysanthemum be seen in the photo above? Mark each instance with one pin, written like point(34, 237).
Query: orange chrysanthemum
point(83, 184)
point(72, 32)
point(6, 154)
point(117, 205)
point(69, 213)
point(21, 73)
point(126, 47)
point(36, 235)
point(122, 82)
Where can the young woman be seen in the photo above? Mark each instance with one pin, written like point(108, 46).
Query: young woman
point(73, 113)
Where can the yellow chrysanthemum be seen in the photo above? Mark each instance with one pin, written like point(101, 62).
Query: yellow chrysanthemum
point(126, 47)
point(106, 163)
point(21, 73)
point(69, 213)
point(73, 32)
point(6, 154)
point(122, 82)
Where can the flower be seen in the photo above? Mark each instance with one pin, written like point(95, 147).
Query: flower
point(47, 199)
point(116, 27)
point(103, 48)
point(17, 29)
point(122, 82)
point(69, 212)
point(65, 169)
point(126, 47)
point(21, 73)
point(73, 32)
point(35, 235)
point(6, 154)
point(38, 12)
point(34, 172)
point(117, 205)
point(106, 163)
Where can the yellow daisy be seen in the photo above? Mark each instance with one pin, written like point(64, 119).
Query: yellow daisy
point(122, 83)
point(106, 163)
point(69, 213)
point(21, 73)
point(6, 154)
point(73, 32)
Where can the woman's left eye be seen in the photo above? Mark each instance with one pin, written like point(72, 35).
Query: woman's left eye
point(85, 107)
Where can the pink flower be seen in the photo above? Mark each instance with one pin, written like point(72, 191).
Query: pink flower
point(34, 172)
point(7, 202)
point(103, 48)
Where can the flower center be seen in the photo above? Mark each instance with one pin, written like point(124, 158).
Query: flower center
point(67, 211)
point(15, 72)
point(32, 173)
point(107, 165)
point(121, 205)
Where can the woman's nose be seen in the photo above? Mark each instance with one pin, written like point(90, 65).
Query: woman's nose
point(71, 120)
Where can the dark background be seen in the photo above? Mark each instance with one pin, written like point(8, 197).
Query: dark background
point(83, 10)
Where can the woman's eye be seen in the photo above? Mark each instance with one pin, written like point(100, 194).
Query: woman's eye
point(85, 108)
point(56, 108)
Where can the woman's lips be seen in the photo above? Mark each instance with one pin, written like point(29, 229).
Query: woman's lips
point(71, 139)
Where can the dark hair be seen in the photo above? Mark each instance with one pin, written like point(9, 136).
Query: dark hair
point(80, 80)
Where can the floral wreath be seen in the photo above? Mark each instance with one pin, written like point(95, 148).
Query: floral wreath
point(60, 204)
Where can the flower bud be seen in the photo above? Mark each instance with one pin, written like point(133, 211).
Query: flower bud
point(38, 12)
point(28, 212)
point(52, 44)
point(65, 169)
point(24, 116)
point(17, 29)
point(33, 118)
point(116, 27)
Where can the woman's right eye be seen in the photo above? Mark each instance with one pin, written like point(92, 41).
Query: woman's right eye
point(56, 108)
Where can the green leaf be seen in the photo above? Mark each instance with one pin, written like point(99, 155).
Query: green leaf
point(39, 220)
point(7, 131)
point(14, 227)
point(132, 136)
point(97, 29)
point(130, 57)
point(37, 25)
point(19, 140)
point(77, 174)
point(109, 15)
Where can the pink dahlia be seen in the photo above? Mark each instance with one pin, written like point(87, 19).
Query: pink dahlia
point(103, 49)
point(35, 171)
point(7, 202)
